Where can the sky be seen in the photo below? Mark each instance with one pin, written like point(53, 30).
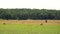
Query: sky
point(37, 4)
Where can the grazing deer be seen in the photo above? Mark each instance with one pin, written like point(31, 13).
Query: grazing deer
point(41, 24)
point(46, 21)
point(4, 23)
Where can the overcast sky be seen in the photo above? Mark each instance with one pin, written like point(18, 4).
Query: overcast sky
point(39, 4)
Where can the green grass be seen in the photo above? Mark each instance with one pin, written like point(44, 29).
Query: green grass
point(29, 29)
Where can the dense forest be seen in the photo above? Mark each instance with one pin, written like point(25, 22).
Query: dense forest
point(24, 14)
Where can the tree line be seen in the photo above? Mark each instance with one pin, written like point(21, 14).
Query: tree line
point(24, 14)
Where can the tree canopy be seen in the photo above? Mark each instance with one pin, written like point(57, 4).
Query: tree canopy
point(24, 14)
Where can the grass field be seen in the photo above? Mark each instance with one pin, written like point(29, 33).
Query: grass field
point(28, 28)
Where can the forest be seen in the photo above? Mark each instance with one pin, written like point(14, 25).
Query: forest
point(34, 14)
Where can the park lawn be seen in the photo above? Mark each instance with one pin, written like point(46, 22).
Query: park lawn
point(29, 29)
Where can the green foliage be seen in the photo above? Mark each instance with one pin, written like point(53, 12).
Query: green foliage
point(23, 14)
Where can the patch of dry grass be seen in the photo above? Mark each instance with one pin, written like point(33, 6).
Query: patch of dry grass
point(29, 21)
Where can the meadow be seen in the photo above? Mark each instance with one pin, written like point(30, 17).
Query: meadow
point(29, 27)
